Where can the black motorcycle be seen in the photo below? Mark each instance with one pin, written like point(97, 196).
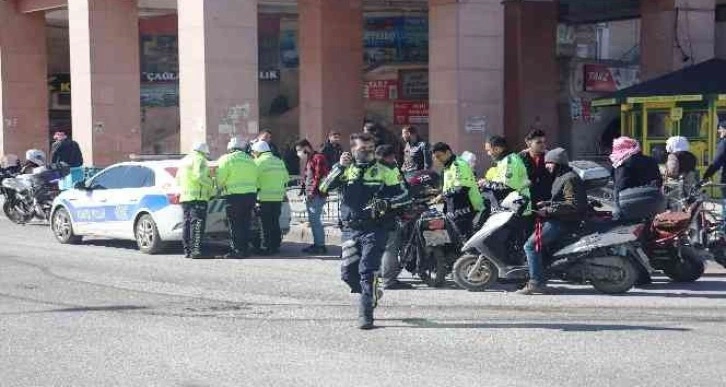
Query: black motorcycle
point(30, 196)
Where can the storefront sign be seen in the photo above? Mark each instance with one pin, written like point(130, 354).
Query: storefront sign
point(414, 84)
point(153, 77)
point(59, 83)
point(600, 78)
point(383, 90)
point(270, 75)
point(410, 112)
point(666, 98)
point(476, 124)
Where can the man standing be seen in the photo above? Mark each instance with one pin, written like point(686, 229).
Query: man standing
point(416, 154)
point(272, 182)
point(460, 192)
point(237, 180)
point(391, 266)
point(369, 191)
point(332, 148)
point(533, 157)
point(196, 186)
point(316, 168)
point(266, 136)
point(564, 211)
point(65, 150)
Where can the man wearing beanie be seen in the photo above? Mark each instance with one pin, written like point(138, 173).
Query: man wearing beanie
point(566, 208)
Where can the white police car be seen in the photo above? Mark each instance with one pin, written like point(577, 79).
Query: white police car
point(134, 201)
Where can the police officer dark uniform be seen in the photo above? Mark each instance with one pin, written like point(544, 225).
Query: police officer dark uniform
point(237, 182)
point(370, 191)
point(196, 186)
point(272, 182)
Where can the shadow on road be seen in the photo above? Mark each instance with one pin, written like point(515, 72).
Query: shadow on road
point(288, 250)
point(565, 327)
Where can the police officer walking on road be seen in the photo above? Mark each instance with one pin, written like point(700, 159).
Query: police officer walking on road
point(272, 182)
point(195, 182)
point(369, 190)
point(237, 181)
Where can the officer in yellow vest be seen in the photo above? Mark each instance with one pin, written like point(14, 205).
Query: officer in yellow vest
point(237, 181)
point(272, 182)
point(195, 183)
point(460, 191)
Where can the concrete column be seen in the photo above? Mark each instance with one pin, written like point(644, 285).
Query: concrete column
point(331, 66)
point(104, 42)
point(675, 34)
point(466, 72)
point(530, 69)
point(23, 81)
point(217, 71)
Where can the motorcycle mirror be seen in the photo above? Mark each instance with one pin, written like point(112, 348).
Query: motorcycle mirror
point(81, 185)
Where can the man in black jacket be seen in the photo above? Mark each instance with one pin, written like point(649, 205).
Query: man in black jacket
point(416, 154)
point(332, 150)
point(719, 162)
point(566, 208)
point(65, 150)
point(540, 179)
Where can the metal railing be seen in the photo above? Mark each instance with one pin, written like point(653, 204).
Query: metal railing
point(298, 209)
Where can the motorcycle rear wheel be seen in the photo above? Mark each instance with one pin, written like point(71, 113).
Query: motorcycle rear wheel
point(486, 276)
point(435, 278)
point(687, 267)
point(628, 276)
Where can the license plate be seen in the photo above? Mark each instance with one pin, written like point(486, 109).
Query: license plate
point(436, 237)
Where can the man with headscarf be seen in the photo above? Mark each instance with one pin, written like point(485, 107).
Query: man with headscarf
point(681, 164)
point(637, 182)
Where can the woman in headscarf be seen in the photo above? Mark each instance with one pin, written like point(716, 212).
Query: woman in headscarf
point(637, 182)
point(681, 164)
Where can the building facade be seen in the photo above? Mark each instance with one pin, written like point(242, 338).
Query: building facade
point(154, 76)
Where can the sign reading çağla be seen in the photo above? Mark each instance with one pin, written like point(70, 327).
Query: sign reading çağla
point(152, 77)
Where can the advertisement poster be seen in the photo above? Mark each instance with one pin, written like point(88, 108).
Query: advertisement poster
point(384, 90)
point(289, 56)
point(159, 71)
point(410, 112)
point(414, 84)
point(395, 39)
point(601, 78)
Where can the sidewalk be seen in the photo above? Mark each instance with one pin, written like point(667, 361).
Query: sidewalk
point(300, 232)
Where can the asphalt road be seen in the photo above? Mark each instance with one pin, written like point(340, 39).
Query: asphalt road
point(102, 314)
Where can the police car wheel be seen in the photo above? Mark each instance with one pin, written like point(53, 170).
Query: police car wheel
point(63, 227)
point(147, 235)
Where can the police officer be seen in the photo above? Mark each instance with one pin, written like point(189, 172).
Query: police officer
point(272, 182)
point(460, 191)
point(196, 187)
point(370, 192)
point(237, 182)
point(510, 172)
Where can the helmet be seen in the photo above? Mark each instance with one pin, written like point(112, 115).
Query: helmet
point(202, 147)
point(469, 158)
point(260, 147)
point(35, 156)
point(235, 143)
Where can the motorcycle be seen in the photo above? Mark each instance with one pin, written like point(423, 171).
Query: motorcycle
point(30, 196)
point(610, 261)
point(431, 243)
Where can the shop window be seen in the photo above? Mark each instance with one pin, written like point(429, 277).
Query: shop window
point(659, 124)
point(694, 124)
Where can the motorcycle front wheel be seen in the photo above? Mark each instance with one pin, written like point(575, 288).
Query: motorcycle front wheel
point(13, 214)
point(474, 279)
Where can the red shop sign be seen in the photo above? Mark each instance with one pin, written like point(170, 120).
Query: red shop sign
point(383, 90)
point(600, 78)
point(411, 112)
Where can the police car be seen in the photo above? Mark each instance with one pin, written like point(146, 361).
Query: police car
point(134, 201)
